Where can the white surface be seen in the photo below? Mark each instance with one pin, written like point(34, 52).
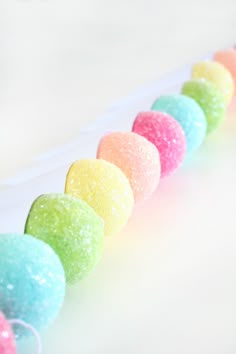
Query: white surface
point(167, 283)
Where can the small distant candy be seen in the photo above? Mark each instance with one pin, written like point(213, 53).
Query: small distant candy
point(218, 75)
point(228, 59)
point(7, 340)
point(136, 157)
point(105, 188)
point(166, 134)
point(72, 228)
point(210, 100)
point(189, 115)
point(32, 281)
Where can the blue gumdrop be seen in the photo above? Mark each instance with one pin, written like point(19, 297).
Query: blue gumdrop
point(32, 281)
point(188, 113)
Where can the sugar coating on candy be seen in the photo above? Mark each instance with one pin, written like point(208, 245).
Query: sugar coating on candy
point(189, 115)
point(105, 188)
point(136, 157)
point(166, 134)
point(228, 59)
point(210, 100)
point(218, 75)
point(7, 340)
point(72, 228)
point(32, 281)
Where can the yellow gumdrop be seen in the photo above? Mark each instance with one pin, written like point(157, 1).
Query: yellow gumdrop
point(105, 188)
point(218, 75)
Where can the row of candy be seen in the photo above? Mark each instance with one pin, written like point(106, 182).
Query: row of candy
point(64, 233)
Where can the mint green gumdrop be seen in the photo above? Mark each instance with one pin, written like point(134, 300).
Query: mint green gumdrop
point(72, 228)
point(209, 98)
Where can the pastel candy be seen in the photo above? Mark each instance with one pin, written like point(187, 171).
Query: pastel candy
point(7, 340)
point(210, 100)
point(189, 115)
point(217, 74)
point(105, 188)
point(136, 157)
point(72, 228)
point(32, 281)
point(228, 59)
point(166, 134)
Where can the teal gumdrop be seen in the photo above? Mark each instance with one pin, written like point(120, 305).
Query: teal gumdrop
point(188, 113)
point(72, 228)
point(209, 98)
point(32, 281)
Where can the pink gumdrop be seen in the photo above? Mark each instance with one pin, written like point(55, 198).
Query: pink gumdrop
point(166, 134)
point(7, 341)
point(137, 157)
point(228, 59)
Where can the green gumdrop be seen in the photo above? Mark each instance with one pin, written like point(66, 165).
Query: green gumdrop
point(209, 98)
point(72, 228)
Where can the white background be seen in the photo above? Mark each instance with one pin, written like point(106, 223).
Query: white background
point(167, 283)
point(63, 61)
